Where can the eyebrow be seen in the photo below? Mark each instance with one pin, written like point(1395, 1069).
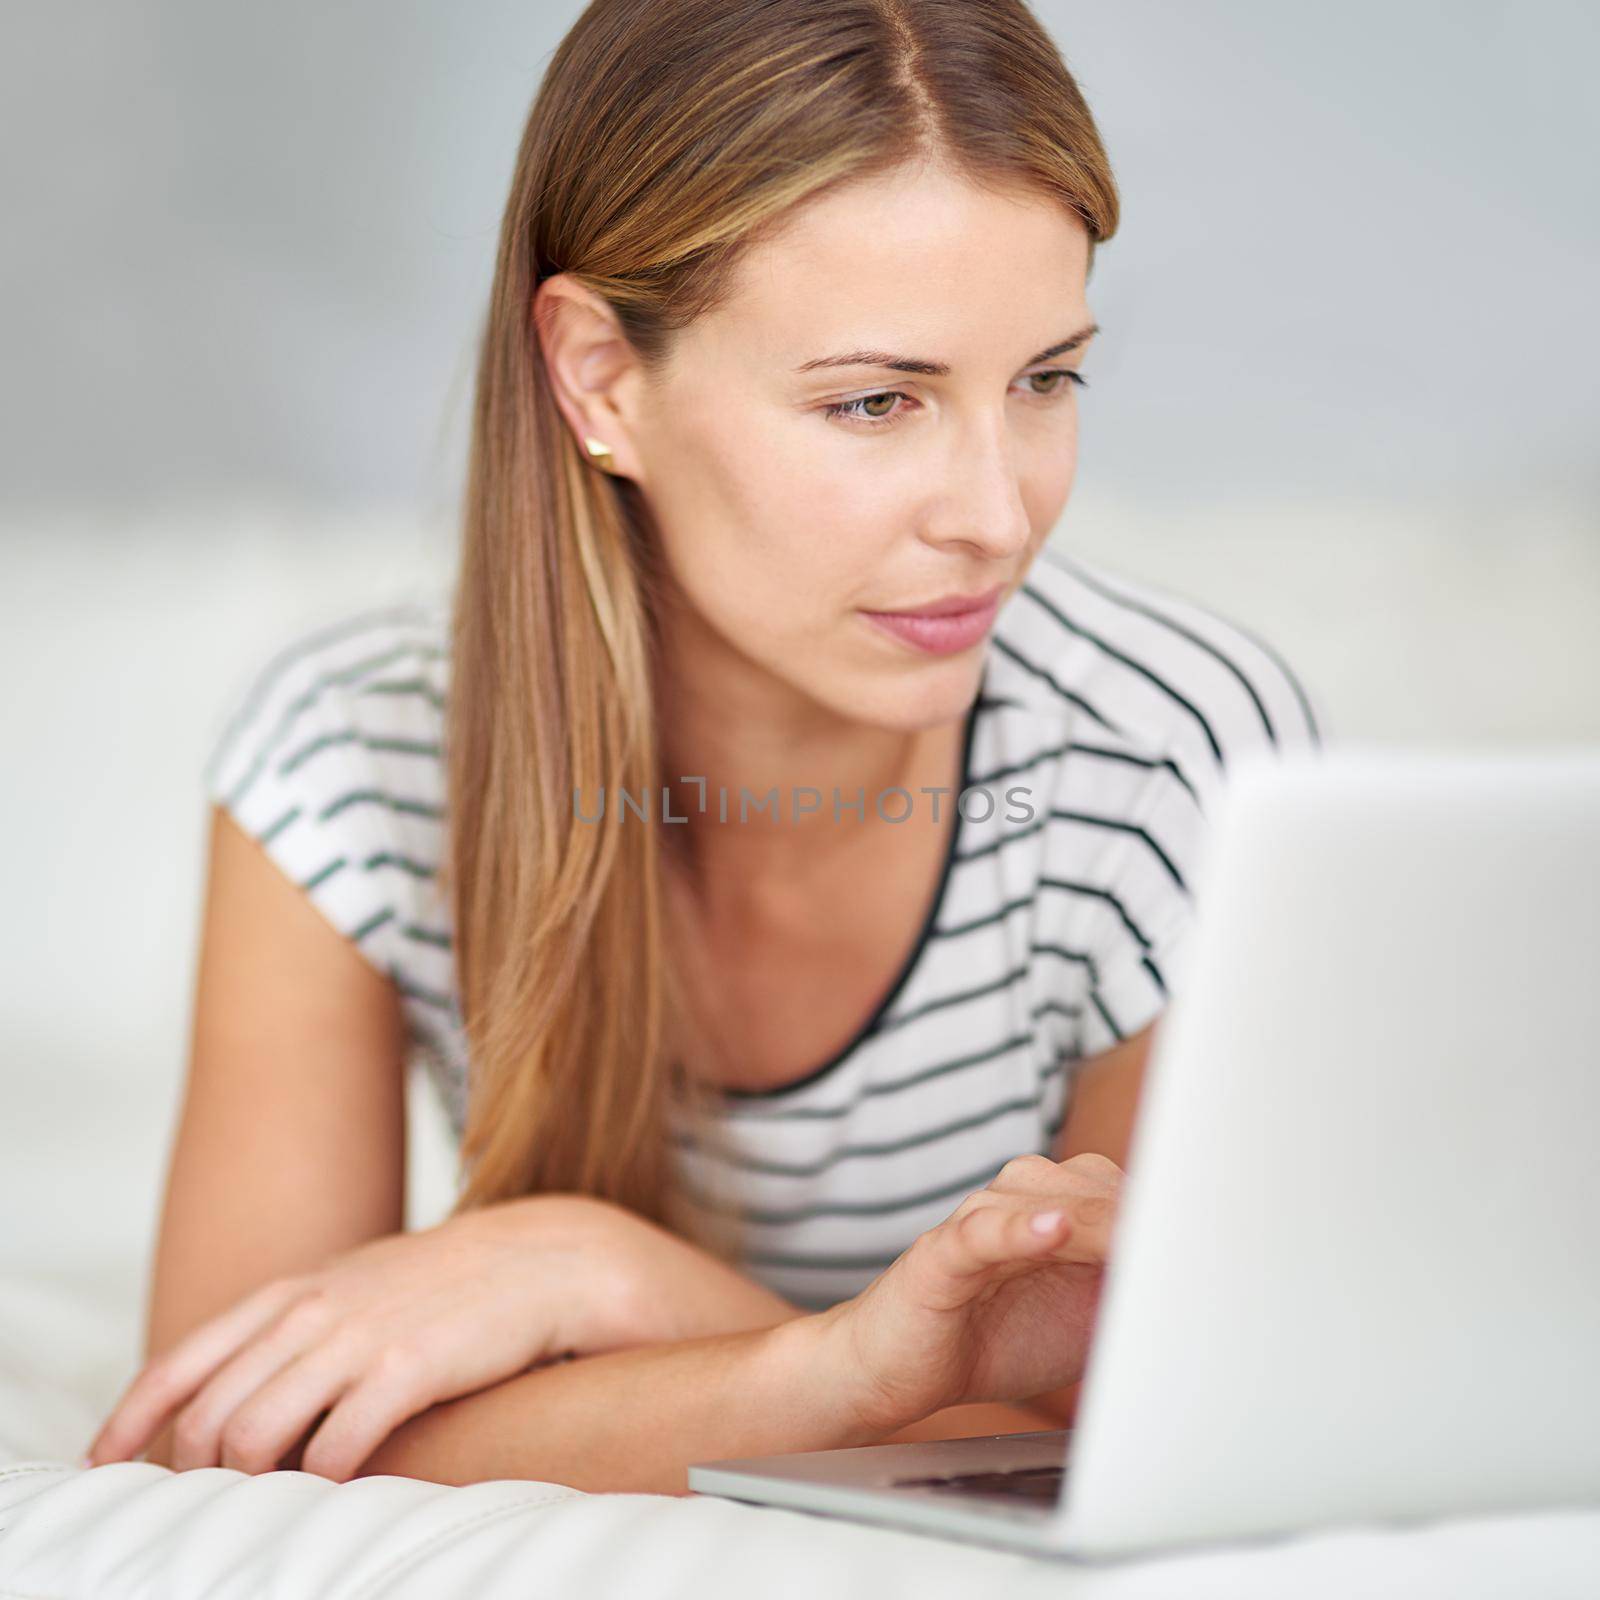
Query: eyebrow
point(934, 369)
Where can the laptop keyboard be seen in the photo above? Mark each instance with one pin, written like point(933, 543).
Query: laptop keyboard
point(1020, 1483)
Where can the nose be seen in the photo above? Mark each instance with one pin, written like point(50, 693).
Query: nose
point(983, 509)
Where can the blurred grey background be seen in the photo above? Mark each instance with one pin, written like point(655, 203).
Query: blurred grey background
point(1346, 394)
point(247, 247)
point(1349, 369)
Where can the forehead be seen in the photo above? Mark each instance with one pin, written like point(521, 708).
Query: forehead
point(923, 258)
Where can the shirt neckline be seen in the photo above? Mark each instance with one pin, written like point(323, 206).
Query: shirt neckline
point(913, 958)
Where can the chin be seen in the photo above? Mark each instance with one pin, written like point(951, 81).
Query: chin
point(941, 692)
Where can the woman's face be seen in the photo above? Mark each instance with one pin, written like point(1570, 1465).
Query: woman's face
point(793, 492)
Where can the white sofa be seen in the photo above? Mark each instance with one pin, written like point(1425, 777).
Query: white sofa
point(124, 638)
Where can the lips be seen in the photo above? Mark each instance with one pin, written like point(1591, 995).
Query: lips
point(950, 605)
point(942, 627)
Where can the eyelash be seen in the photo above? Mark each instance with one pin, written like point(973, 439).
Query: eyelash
point(845, 408)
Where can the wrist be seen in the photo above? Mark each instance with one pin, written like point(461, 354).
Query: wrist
point(664, 1288)
point(805, 1360)
point(625, 1300)
point(584, 1245)
point(873, 1409)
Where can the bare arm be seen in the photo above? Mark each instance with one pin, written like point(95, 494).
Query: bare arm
point(633, 1420)
point(290, 1147)
point(291, 1142)
point(1106, 1100)
point(921, 1339)
point(730, 1302)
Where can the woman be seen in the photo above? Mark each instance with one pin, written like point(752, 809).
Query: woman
point(798, 1101)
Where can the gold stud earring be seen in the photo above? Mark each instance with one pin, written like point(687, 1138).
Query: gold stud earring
point(599, 453)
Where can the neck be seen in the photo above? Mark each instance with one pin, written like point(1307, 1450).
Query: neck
point(753, 765)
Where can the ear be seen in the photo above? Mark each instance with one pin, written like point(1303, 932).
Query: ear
point(593, 369)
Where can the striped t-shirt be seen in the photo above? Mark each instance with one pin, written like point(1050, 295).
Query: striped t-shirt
point(1059, 927)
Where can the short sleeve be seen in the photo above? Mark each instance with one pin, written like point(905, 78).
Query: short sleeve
point(1134, 976)
point(1134, 971)
point(1307, 725)
point(294, 766)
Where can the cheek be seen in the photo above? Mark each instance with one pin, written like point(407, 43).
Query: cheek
point(1047, 484)
point(800, 530)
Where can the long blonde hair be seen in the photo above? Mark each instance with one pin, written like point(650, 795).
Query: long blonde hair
point(667, 137)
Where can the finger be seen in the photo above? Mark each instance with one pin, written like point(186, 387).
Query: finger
point(197, 1432)
point(262, 1431)
point(172, 1377)
point(1038, 1176)
point(367, 1413)
point(1092, 1216)
point(1087, 1186)
point(291, 1462)
point(985, 1239)
point(1100, 1173)
point(1027, 1174)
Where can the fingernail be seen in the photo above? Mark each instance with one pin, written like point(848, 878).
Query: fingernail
point(1045, 1221)
point(88, 1461)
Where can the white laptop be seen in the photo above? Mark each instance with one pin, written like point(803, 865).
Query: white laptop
point(1356, 1270)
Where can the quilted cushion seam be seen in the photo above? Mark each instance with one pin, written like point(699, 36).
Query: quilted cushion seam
point(406, 1558)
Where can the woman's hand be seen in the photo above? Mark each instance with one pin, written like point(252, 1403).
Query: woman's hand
point(384, 1331)
point(985, 1307)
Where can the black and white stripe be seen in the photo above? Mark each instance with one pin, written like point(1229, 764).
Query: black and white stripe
point(1119, 707)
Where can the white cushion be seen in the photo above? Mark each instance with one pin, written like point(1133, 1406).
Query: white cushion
point(134, 1529)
